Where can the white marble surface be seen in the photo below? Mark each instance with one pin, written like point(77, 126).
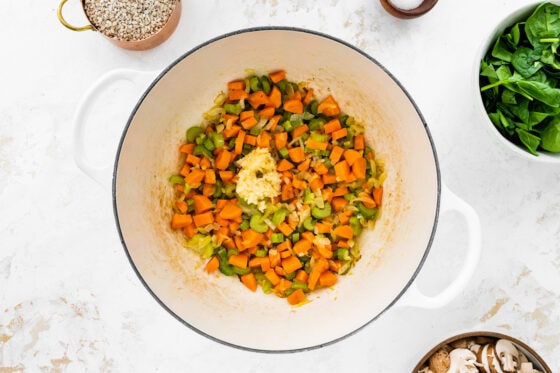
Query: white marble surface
point(69, 300)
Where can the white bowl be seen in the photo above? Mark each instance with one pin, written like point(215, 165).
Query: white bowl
point(513, 17)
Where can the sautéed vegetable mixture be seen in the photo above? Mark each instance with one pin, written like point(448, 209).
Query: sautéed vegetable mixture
point(276, 186)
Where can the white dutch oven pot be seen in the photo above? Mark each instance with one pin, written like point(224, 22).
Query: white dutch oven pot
point(392, 254)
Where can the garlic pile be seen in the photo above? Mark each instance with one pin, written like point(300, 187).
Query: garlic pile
point(479, 355)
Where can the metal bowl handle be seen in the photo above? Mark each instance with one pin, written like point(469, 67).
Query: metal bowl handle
point(414, 297)
point(68, 25)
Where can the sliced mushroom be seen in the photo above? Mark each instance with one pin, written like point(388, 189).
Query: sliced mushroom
point(462, 361)
point(508, 355)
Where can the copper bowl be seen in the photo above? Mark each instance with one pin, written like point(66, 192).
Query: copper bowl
point(149, 42)
point(483, 338)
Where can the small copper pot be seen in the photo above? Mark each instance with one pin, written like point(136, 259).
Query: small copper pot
point(150, 42)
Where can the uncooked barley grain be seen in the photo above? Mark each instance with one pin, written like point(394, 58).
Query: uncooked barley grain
point(129, 20)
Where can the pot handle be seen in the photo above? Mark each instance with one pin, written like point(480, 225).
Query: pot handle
point(414, 297)
point(101, 174)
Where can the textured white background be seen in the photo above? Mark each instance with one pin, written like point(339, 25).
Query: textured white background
point(69, 300)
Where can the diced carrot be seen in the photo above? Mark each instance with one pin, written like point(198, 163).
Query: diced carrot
point(210, 177)
point(213, 264)
point(230, 211)
point(205, 163)
point(327, 278)
point(320, 266)
point(330, 179)
point(239, 260)
point(307, 235)
point(339, 203)
point(277, 76)
point(275, 97)
point(340, 191)
point(296, 297)
point(187, 148)
point(302, 247)
point(208, 190)
point(285, 229)
point(190, 230)
point(321, 168)
point(325, 251)
point(293, 106)
point(195, 176)
point(181, 206)
point(193, 160)
point(335, 265)
point(342, 171)
point(251, 140)
point(249, 123)
point(246, 115)
point(291, 263)
point(336, 154)
point(231, 132)
point(359, 142)
point(316, 183)
point(226, 176)
point(180, 220)
point(256, 99)
point(300, 130)
point(344, 231)
point(323, 227)
point(332, 126)
point(280, 139)
point(264, 139)
point(249, 281)
point(239, 140)
point(251, 238)
point(339, 134)
point(203, 219)
point(282, 286)
point(308, 96)
point(301, 276)
point(284, 165)
point(236, 84)
point(329, 107)
point(263, 262)
point(274, 257)
point(237, 94)
point(298, 183)
point(287, 192)
point(201, 203)
point(359, 168)
point(296, 154)
point(273, 122)
point(223, 159)
point(267, 112)
point(316, 145)
point(378, 195)
point(351, 155)
point(304, 166)
point(343, 218)
point(272, 277)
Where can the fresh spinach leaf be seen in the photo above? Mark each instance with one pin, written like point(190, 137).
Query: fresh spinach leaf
point(526, 61)
point(530, 141)
point(543, 25)
point(550, 136)
point(540, 91)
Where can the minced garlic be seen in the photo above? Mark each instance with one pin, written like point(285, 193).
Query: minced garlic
point(258, 179)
